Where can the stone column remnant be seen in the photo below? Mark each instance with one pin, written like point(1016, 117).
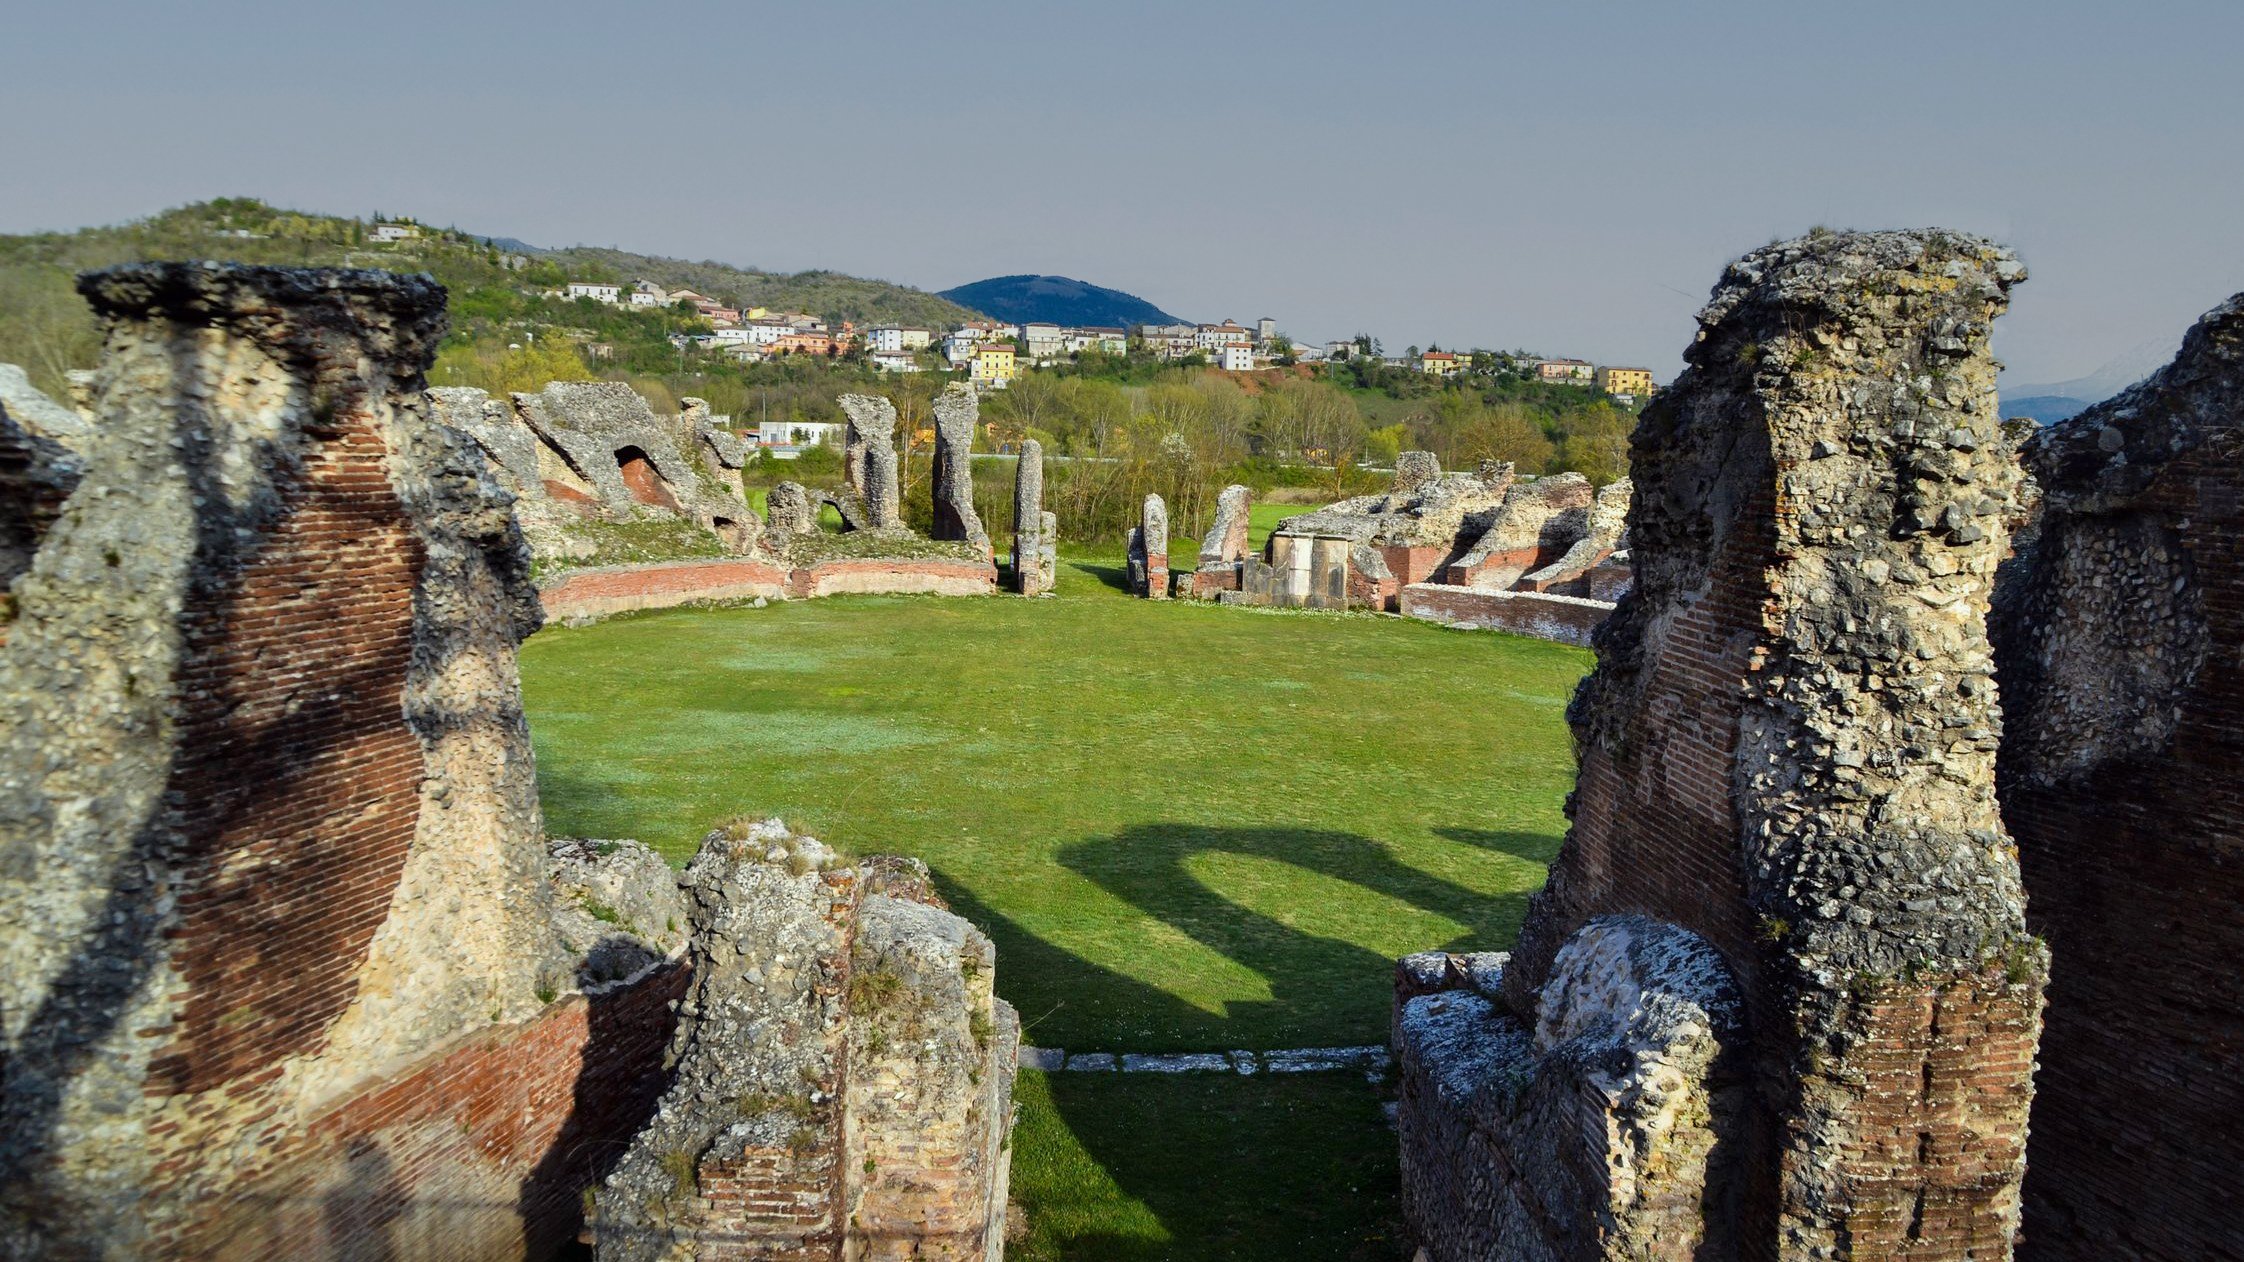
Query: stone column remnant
point(1787, 750)
point(1149, 569)
point(1028, 520)
point(1226, 540)
point(957, 412)
point(872, 459)
point(2117, 631)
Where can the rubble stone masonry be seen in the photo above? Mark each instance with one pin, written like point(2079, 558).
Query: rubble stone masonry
point(1787, 749)
point(2117, 634)
point(288, 974)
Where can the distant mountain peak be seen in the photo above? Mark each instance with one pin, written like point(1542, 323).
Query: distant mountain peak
point(1056, 300)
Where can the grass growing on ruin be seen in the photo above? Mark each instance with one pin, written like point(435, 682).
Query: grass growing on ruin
point(1187, 827)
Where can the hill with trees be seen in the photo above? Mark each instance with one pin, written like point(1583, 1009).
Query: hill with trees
point(500, 290)
point(1057, 300)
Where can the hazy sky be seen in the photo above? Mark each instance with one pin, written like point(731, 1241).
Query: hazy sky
point(1567, 177)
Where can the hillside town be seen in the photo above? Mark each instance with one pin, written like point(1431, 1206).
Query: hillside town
point(993, 353)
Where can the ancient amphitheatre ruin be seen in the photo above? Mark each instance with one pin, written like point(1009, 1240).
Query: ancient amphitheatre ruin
point(1895, 917)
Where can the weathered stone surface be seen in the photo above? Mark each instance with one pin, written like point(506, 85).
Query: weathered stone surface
point(617, 907)
point(39, 415)
point(1603, 528)
point(1226, 541)
point(595, 450)
point(1587, 1130)
point(957, 413)
point(1414, 469)
point(36, 475)
point(2117, 630)
point(1029, 576)
point(842, 1073)
point(1787, 746)
point(1148, 551)
point(789, 511)
point(1565, 619)
point(1407, 535)
point(233, 892)
point(871, 456)
point(1533, 525)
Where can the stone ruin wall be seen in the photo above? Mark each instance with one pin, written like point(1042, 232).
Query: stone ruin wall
point(1787, 751)
point(1543, 557)
point(2117, 628)
point(290, 978)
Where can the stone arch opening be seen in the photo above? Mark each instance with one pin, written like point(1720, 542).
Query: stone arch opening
point(643, 480)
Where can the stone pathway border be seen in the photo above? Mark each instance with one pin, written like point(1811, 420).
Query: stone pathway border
point(1373, 1061)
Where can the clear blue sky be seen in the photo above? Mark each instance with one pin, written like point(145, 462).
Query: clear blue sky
point(1569, 177)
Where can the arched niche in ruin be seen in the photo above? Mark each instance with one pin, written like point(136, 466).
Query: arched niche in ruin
point(643, 480)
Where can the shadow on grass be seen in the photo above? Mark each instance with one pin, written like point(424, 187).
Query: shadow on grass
point(1228, 1167)
point(1111, 574)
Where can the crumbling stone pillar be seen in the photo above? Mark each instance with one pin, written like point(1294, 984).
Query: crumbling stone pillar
point(842, 1082)
point(1414, 469)
point(269, 818)
point(1787, 748)
point(1148, 553)
point(789, 511)
point(1226, 540)
point(957, 411)
point(1223, 550)
point(1028, 520)
point(871, 454)
point(2117, 628)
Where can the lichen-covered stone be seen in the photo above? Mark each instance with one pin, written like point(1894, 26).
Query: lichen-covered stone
point(1226, 540)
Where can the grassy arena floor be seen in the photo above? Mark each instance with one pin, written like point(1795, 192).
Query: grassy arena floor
point(1187, 827)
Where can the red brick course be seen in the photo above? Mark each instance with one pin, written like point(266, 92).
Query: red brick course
point(480, 1151)
point(614, 589)
point(297, 786)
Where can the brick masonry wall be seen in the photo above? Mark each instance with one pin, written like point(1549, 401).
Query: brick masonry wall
point(2117, 641)
point(482, 1151)
point(1565, 619)
point(1787, 746)
point(296, 789)
point(662, 585)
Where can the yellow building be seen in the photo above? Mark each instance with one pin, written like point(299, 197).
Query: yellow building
point(1629, 381)
point(993, 365)
point(1439, 363)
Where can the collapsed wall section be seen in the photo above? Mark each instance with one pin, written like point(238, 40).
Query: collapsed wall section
point(1787, 747)
point(2116, 634)
point(843, 1071)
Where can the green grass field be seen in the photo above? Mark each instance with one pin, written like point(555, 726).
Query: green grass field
point(1187, 827)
